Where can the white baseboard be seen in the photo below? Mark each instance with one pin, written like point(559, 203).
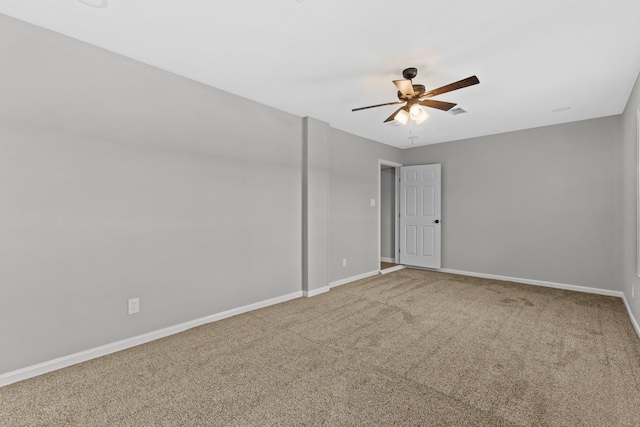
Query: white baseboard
point(353, 278)
point(83, 356)
point(538, 283)
point(392, 269)
point(634, 322)
point(585, 289)
point(314, 292)
point(322, 290)
point(383, 259)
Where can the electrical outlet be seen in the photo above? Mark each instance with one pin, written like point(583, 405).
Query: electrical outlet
point(344, 262)
point(633, 291)
point(134, 305)
point(373, 202)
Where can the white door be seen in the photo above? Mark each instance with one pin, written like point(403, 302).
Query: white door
point(420, 216)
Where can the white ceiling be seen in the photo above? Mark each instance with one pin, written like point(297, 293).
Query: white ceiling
point(321, 58)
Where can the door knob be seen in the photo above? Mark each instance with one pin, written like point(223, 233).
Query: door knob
point(437, 221)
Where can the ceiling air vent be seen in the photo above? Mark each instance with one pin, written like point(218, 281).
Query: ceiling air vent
point(457, 110)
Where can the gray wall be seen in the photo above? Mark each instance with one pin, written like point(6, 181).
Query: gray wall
point(353, 222)
point(119, 180)
point(387, 212)
point(540, 204)
point(630, 188)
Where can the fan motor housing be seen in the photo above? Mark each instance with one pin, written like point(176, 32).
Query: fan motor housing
point(418, 91)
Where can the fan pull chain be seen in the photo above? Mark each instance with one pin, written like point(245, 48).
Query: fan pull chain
point(411, 132)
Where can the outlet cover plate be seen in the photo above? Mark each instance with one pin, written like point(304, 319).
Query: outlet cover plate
point(134, 305)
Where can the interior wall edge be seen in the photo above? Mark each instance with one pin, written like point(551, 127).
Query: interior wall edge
point(633, 319)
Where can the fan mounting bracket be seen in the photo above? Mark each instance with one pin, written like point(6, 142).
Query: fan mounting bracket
point(409, 73)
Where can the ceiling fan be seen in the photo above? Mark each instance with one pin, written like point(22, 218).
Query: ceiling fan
point(415, 96)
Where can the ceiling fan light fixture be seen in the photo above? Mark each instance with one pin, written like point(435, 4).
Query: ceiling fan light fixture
point(415, 110)
point(402, 117)
point(413, 96)
point(421, 117)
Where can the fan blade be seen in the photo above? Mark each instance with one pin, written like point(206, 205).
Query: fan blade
point(440, 105)
point(469, 81)
point(404, 86)
point(394, 114)
point(379, 105)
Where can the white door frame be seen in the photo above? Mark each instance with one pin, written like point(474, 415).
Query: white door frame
point(637, 165)
point(395, 165)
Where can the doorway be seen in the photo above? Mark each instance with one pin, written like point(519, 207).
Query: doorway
point(388, 174)
point(409, 235)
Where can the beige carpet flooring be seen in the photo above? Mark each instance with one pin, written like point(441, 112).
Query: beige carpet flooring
point(408, 348)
